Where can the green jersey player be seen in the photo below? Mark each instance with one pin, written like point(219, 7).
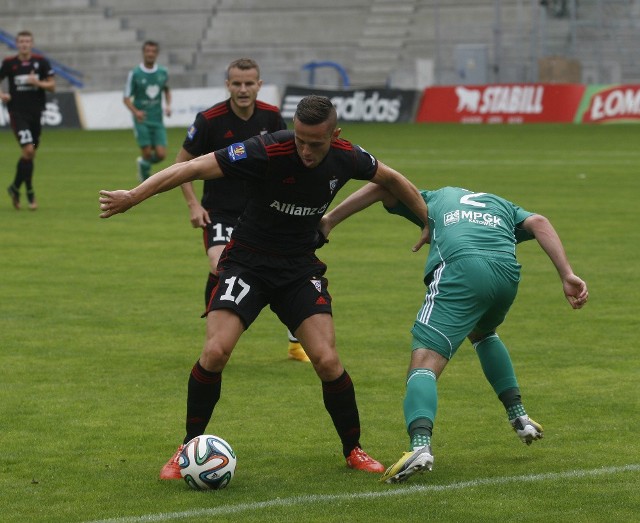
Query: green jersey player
point(472, 277)
point(143, 97)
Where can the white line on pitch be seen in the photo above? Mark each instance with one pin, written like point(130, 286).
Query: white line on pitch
point(389, 492)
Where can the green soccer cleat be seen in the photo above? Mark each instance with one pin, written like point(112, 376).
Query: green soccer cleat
point(527, 429)
point(410, 463)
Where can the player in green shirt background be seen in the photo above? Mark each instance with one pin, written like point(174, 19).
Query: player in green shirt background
point(472, 277)
point(143, 97)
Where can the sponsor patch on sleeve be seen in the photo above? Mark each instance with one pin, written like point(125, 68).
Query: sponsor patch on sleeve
point(236, 152)
point(191, 132)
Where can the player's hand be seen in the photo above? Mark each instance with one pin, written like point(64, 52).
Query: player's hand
point(321, 239)
point(324, 227)
point(167, 111)
point(140, 116)
point(425, 237)
point(199, 217)
point(115, 202)
point(575, 290)
point(33, 79)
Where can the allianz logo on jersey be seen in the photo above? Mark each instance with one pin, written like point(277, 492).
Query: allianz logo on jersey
point(22, 83)
point(481, 218)
point(298, 210)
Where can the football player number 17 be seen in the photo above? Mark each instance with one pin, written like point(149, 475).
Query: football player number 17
point(232, 289)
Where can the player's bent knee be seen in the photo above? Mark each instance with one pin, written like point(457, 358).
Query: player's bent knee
point(428, 358)
point(215, 356)
point(327, 365)
point(475, 337)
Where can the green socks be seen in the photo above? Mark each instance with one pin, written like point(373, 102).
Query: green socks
point(498, 369)
point(420, 406)
point(145, 168)
point(419, 440)
point(496, 364)
point(515, 411)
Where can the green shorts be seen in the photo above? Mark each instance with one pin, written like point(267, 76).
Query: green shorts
point(466, 294)
point(150, 134)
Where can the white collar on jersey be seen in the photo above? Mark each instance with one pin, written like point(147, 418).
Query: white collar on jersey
point(149, 70)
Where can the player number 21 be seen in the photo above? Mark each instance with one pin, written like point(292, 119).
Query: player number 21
point(229, 294)
point(25, 136)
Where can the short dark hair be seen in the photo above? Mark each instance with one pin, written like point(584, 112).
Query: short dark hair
point(315, 109)
point(24, 33)
point(151, 43)
point(244, 64)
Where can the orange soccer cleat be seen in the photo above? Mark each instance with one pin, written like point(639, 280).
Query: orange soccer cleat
point(171, 469)
point(360, 460)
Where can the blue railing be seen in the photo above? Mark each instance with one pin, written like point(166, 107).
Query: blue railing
point(312, 66)
point(70, 75)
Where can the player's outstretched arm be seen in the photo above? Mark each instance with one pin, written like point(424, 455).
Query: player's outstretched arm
point(401, 188)
point(200, 168)
point(355, 202)
point(574, 288)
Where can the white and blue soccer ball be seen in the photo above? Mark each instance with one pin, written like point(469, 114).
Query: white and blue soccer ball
point(207, 462)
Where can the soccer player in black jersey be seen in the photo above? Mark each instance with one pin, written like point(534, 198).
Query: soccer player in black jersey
point(239, 117)
point(29, 76)
point(291, 178)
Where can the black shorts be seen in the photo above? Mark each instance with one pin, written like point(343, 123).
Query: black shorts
point(293, 286)
point(218, 232)
point(26, 127)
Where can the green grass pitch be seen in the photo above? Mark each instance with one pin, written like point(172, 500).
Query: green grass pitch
point(99, 327)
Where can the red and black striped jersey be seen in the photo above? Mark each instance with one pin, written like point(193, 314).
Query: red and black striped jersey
point(285, 199)
point(218, 127)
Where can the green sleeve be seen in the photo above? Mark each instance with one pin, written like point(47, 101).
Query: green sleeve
point(402, 210)
point(520, 233)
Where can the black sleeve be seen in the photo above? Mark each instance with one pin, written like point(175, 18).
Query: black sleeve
point(45, 69)
point(196, 139)
point(282, 125)
point(366, 163)
point(4, 70)
point(246, 160)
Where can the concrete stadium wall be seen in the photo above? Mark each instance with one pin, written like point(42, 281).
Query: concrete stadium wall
point(397, 43)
